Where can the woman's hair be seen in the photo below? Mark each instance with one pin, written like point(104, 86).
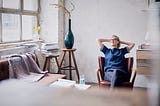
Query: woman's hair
point(117, 38)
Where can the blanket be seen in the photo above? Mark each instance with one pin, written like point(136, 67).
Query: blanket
point(24, 67)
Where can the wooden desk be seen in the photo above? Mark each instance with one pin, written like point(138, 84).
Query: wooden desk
point(69, 67)
point(32, 94)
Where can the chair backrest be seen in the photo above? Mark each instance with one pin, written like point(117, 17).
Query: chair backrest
point(128, 63)
point(101, 61)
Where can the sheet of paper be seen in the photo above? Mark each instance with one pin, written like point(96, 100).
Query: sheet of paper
point(63, 83)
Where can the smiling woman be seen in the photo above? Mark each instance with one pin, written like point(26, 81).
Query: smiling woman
point(115, 69)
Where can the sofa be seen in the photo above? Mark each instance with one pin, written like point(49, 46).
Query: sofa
point(5, 71)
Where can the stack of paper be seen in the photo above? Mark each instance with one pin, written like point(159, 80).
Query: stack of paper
point(63, 83)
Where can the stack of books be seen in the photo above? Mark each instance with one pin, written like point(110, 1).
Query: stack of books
point(144, 46)
point(63, 83)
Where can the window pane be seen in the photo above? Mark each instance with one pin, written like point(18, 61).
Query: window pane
point(28, 22)
point(11, 4)
point(31, 5)
point(10, 27)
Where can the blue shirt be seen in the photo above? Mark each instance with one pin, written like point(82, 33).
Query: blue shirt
point(114, 58)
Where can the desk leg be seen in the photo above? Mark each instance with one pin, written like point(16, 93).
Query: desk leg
point(61, 62)
point(57, 64)
point(74, 60)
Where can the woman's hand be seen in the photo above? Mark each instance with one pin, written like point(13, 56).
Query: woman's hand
point(129, 44)
point(100, 41)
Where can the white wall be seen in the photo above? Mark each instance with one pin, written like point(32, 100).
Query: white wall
point(49, 21)
point(94, 19)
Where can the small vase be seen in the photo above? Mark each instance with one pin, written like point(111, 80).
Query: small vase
point(69, 38)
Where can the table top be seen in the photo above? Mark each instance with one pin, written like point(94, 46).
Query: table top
point(15, 93)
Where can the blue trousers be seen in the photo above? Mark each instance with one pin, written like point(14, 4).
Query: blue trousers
point(116, 77)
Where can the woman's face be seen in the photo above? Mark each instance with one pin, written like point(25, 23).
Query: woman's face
point(114, 42)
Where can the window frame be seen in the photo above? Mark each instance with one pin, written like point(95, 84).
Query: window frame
point(20, 11)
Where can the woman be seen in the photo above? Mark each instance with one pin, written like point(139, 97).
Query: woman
point(114, 68)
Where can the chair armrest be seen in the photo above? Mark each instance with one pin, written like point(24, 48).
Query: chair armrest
point(98, 75)
point(133, 75)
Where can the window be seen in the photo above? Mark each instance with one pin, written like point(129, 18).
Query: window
point(27, 24)
point(18, 17)
point(10, 27)
point(30, 5)
point(10, 4)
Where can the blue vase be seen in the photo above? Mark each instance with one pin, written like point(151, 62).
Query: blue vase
point(69, 38)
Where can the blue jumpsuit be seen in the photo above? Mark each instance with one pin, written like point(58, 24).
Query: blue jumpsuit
point(114, 67)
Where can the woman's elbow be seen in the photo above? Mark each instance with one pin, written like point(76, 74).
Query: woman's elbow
point(133, 44)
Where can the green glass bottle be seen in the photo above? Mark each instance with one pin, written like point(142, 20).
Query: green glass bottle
point(69, 38)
